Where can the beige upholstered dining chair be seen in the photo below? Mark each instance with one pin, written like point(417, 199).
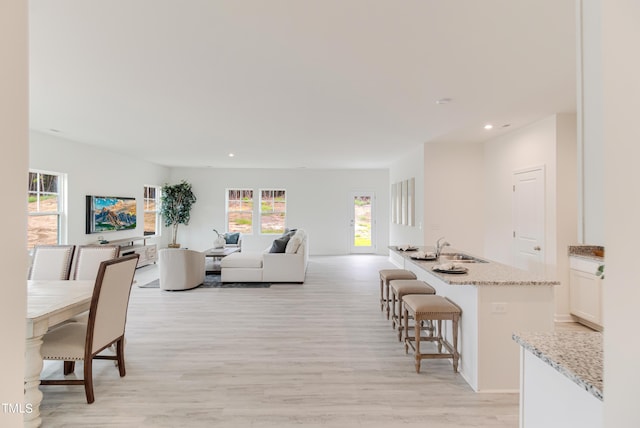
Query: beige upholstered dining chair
point(51, 262)
point(106, 326)
point(89, 257)
point(87, 263)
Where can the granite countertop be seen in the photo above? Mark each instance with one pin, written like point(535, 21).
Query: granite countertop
point(588, 252)
point(575, 354)
point(491, 273)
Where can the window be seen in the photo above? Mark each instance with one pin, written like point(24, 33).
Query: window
point(240, 210)
point(151, 210)
point(45, 210)
point(273, 210)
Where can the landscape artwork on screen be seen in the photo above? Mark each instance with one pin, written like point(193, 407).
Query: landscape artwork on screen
point(110, 213)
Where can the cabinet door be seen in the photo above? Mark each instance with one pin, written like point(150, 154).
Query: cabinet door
point(586, 296)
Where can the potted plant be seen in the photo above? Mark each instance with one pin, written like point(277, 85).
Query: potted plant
point(177, 201)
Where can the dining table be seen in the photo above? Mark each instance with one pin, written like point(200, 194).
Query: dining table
point(49, 303)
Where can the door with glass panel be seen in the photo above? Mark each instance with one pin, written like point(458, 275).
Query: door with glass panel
point(362, 223)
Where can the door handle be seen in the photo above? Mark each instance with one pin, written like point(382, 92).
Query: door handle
point(537, 248)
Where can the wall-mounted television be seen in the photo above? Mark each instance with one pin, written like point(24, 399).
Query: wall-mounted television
point(110, 213)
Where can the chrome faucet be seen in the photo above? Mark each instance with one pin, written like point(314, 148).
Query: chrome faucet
point(440, 245)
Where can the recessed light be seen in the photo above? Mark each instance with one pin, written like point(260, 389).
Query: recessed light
point(444, 101)
point(488, 126)
point(231, 155)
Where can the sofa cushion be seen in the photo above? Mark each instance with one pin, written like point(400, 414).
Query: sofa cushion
point(242, 260)
point(294, 243)
point(280, 245)
point(231, 238)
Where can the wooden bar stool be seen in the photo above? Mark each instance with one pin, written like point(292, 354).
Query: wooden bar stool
point(387, 275)
point(436, 308)
point(398, 288)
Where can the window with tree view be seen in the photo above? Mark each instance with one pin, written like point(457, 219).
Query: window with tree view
point(45, 208)
point(151, 210)
point(273, 211)
point(240, 210)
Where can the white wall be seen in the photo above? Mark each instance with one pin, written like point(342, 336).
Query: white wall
point(531, 146)
point(454, 195)
point(317, 201)
point(621, 108)
point(13, 173)
point(590, 119)
point(93, 171)
point(411, 165)
point(550, 142)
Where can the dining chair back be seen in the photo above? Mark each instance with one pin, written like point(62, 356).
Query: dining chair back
point(89, 257)
point(78, 341)
point(51, 262)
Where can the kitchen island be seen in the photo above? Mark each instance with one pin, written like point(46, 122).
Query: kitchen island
point(496, 301)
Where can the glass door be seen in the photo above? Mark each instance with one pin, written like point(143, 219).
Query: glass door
point(362, 225)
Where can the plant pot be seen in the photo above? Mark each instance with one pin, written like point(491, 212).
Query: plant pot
point(174, 245)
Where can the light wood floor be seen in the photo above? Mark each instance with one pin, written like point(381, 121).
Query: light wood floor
point(318, 354)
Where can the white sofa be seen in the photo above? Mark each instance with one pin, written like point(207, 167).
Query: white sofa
point(290, 266)
point(180, 269)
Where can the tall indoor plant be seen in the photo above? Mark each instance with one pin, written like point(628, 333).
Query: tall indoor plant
point(177, 201)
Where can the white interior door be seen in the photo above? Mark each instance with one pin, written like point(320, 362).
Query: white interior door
point(362, 224)
point(528, 219)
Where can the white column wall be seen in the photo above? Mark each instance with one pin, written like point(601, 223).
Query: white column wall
point(590, 120)
point(14, 123)
point(621, 68)
point(454, 195)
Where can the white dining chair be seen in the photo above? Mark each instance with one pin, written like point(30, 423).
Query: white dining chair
point(51, 262)
point(105, 327)
point(89, 257)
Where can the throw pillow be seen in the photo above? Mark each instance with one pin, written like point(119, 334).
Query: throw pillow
point(232, 238)
point(280, 244)
point(295, 242)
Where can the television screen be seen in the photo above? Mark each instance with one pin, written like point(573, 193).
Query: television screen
point(110, 213)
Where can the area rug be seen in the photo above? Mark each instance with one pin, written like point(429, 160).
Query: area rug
point(213, 281)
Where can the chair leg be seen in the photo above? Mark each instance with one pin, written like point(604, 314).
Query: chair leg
point(69, 367)
point(381, 294)
point(88, 380)
point(456, 355)
point(388, 299)
point(120, 355)
point(417, 350)
point(393, 309)
point(406, 330)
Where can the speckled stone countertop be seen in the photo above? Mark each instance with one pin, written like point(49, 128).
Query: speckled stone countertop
point(575, 354)
point(491, 273)
point(590, 252)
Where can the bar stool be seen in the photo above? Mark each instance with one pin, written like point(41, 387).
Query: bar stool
point(387, 275)
point(398, 288)
point(437, 308)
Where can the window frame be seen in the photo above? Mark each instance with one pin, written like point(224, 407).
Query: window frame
point(228, 211)
point(158, 194)
point(61, 212)
point(260, 212)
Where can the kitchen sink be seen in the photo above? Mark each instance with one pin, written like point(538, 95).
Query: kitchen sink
point(460, 258)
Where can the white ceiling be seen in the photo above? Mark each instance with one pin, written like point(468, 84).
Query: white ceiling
point(295, 83)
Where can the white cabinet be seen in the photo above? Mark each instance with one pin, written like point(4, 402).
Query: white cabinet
point(138, 245)
point(585, 292)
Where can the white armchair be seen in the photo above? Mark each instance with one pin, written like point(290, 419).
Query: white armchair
point(180, 269)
